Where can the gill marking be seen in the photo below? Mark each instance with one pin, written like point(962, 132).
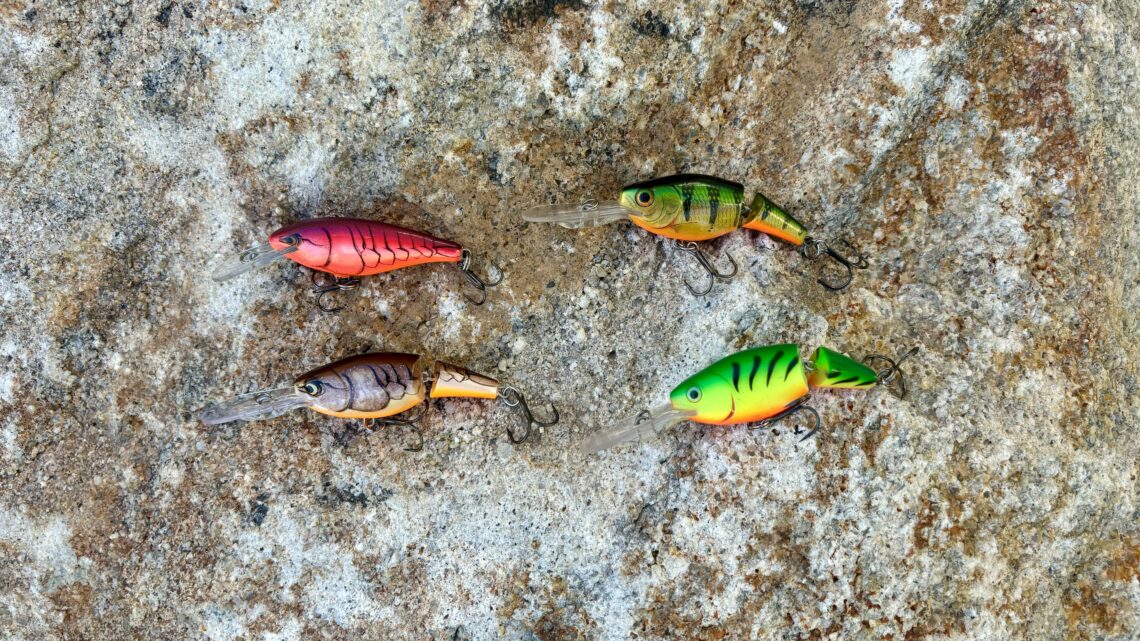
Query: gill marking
point(732, 410)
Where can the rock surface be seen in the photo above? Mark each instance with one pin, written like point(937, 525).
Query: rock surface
point(984, 154)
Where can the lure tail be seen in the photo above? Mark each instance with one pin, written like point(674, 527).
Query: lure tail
point(254, 258)
point(255, 406)
point(645, 424)
point(591, 213)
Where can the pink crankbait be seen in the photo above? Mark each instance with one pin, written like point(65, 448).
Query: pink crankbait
point(351, 248)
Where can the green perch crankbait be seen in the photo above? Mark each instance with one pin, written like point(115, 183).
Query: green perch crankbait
point(760, 385)
point(688, 208)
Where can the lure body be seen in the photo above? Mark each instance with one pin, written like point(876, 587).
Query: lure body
point(746, 387)
point(365, 386)
point(686, 206)
point(353, 247)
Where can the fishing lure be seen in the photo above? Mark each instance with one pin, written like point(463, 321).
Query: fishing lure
point(760, 385)
point(688, 208)
point(374, 388)
point(351, 248)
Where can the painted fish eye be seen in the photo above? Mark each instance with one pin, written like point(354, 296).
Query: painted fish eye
point(694, 394)
point(313, 388)
point(645, 198)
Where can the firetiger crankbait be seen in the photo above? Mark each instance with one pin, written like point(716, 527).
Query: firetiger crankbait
point(760, 385)
point(349, 248)
point(691, 207)
point(375, 388)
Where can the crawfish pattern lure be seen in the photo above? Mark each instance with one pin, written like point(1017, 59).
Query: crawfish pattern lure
point(760, 385)
point(348, 249)
point(688, 208)
point(374, 388)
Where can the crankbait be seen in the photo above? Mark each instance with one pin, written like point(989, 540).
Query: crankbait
point(374, 388)
point(691, 207)
point(760, 385)
point(349, 248)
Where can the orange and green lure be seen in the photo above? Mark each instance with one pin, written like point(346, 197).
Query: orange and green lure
point(688, 208)
point(760, 385)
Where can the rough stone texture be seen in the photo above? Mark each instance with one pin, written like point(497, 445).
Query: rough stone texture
point(984, 153)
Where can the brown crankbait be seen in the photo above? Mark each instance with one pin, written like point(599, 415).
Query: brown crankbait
point(374, 388)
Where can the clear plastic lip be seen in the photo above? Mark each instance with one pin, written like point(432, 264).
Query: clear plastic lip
point(255, 406)
point(643, 425)
point(252, 259)
point(589, 213)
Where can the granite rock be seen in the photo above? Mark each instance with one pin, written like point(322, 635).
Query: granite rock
point(983, 154)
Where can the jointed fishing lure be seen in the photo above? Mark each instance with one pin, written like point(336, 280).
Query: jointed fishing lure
point(760, 385)
point(374, 387)
point(349, 248)
point(690, 207)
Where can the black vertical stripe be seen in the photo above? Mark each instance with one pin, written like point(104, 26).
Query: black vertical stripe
point(772, 365)
point(736, 376)
point(714, 203)
point(791, 366)
point(755, 368)
point(687, 201)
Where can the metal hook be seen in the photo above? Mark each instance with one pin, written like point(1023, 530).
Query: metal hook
point(514, 398)
point(799, 406)
point(814, 248)
point(888, 375)
point(339, 283)
point(464, 267)
point(410, 423)
point(706, 264)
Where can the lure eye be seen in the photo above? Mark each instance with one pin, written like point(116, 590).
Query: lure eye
point(313, 388)
point(694, 394)
point(645, 198)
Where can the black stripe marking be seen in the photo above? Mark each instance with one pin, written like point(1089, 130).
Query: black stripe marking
point(687, 201)
point(849, 379)
point(755, 368)
point(772, 365)
point(791, 366)
point(714, 204)
point(376, 376)
point(834, 373)
point(736, 376)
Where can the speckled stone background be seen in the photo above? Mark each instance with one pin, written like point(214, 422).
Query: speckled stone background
point(984, 153)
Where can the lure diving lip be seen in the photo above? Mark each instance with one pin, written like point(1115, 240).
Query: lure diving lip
point(760, 385)
point(688, 208)
point(374, 388)
point(351, 248)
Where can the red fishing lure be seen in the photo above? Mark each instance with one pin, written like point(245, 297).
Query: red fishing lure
point(350, 248)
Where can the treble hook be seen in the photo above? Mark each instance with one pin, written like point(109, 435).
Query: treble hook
point(814, 248)
point(514, 398)
point(339, 283)
point(799, 406)
point(886, 376)
point(410, 423)
point(464, 267)
point(706, 264)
